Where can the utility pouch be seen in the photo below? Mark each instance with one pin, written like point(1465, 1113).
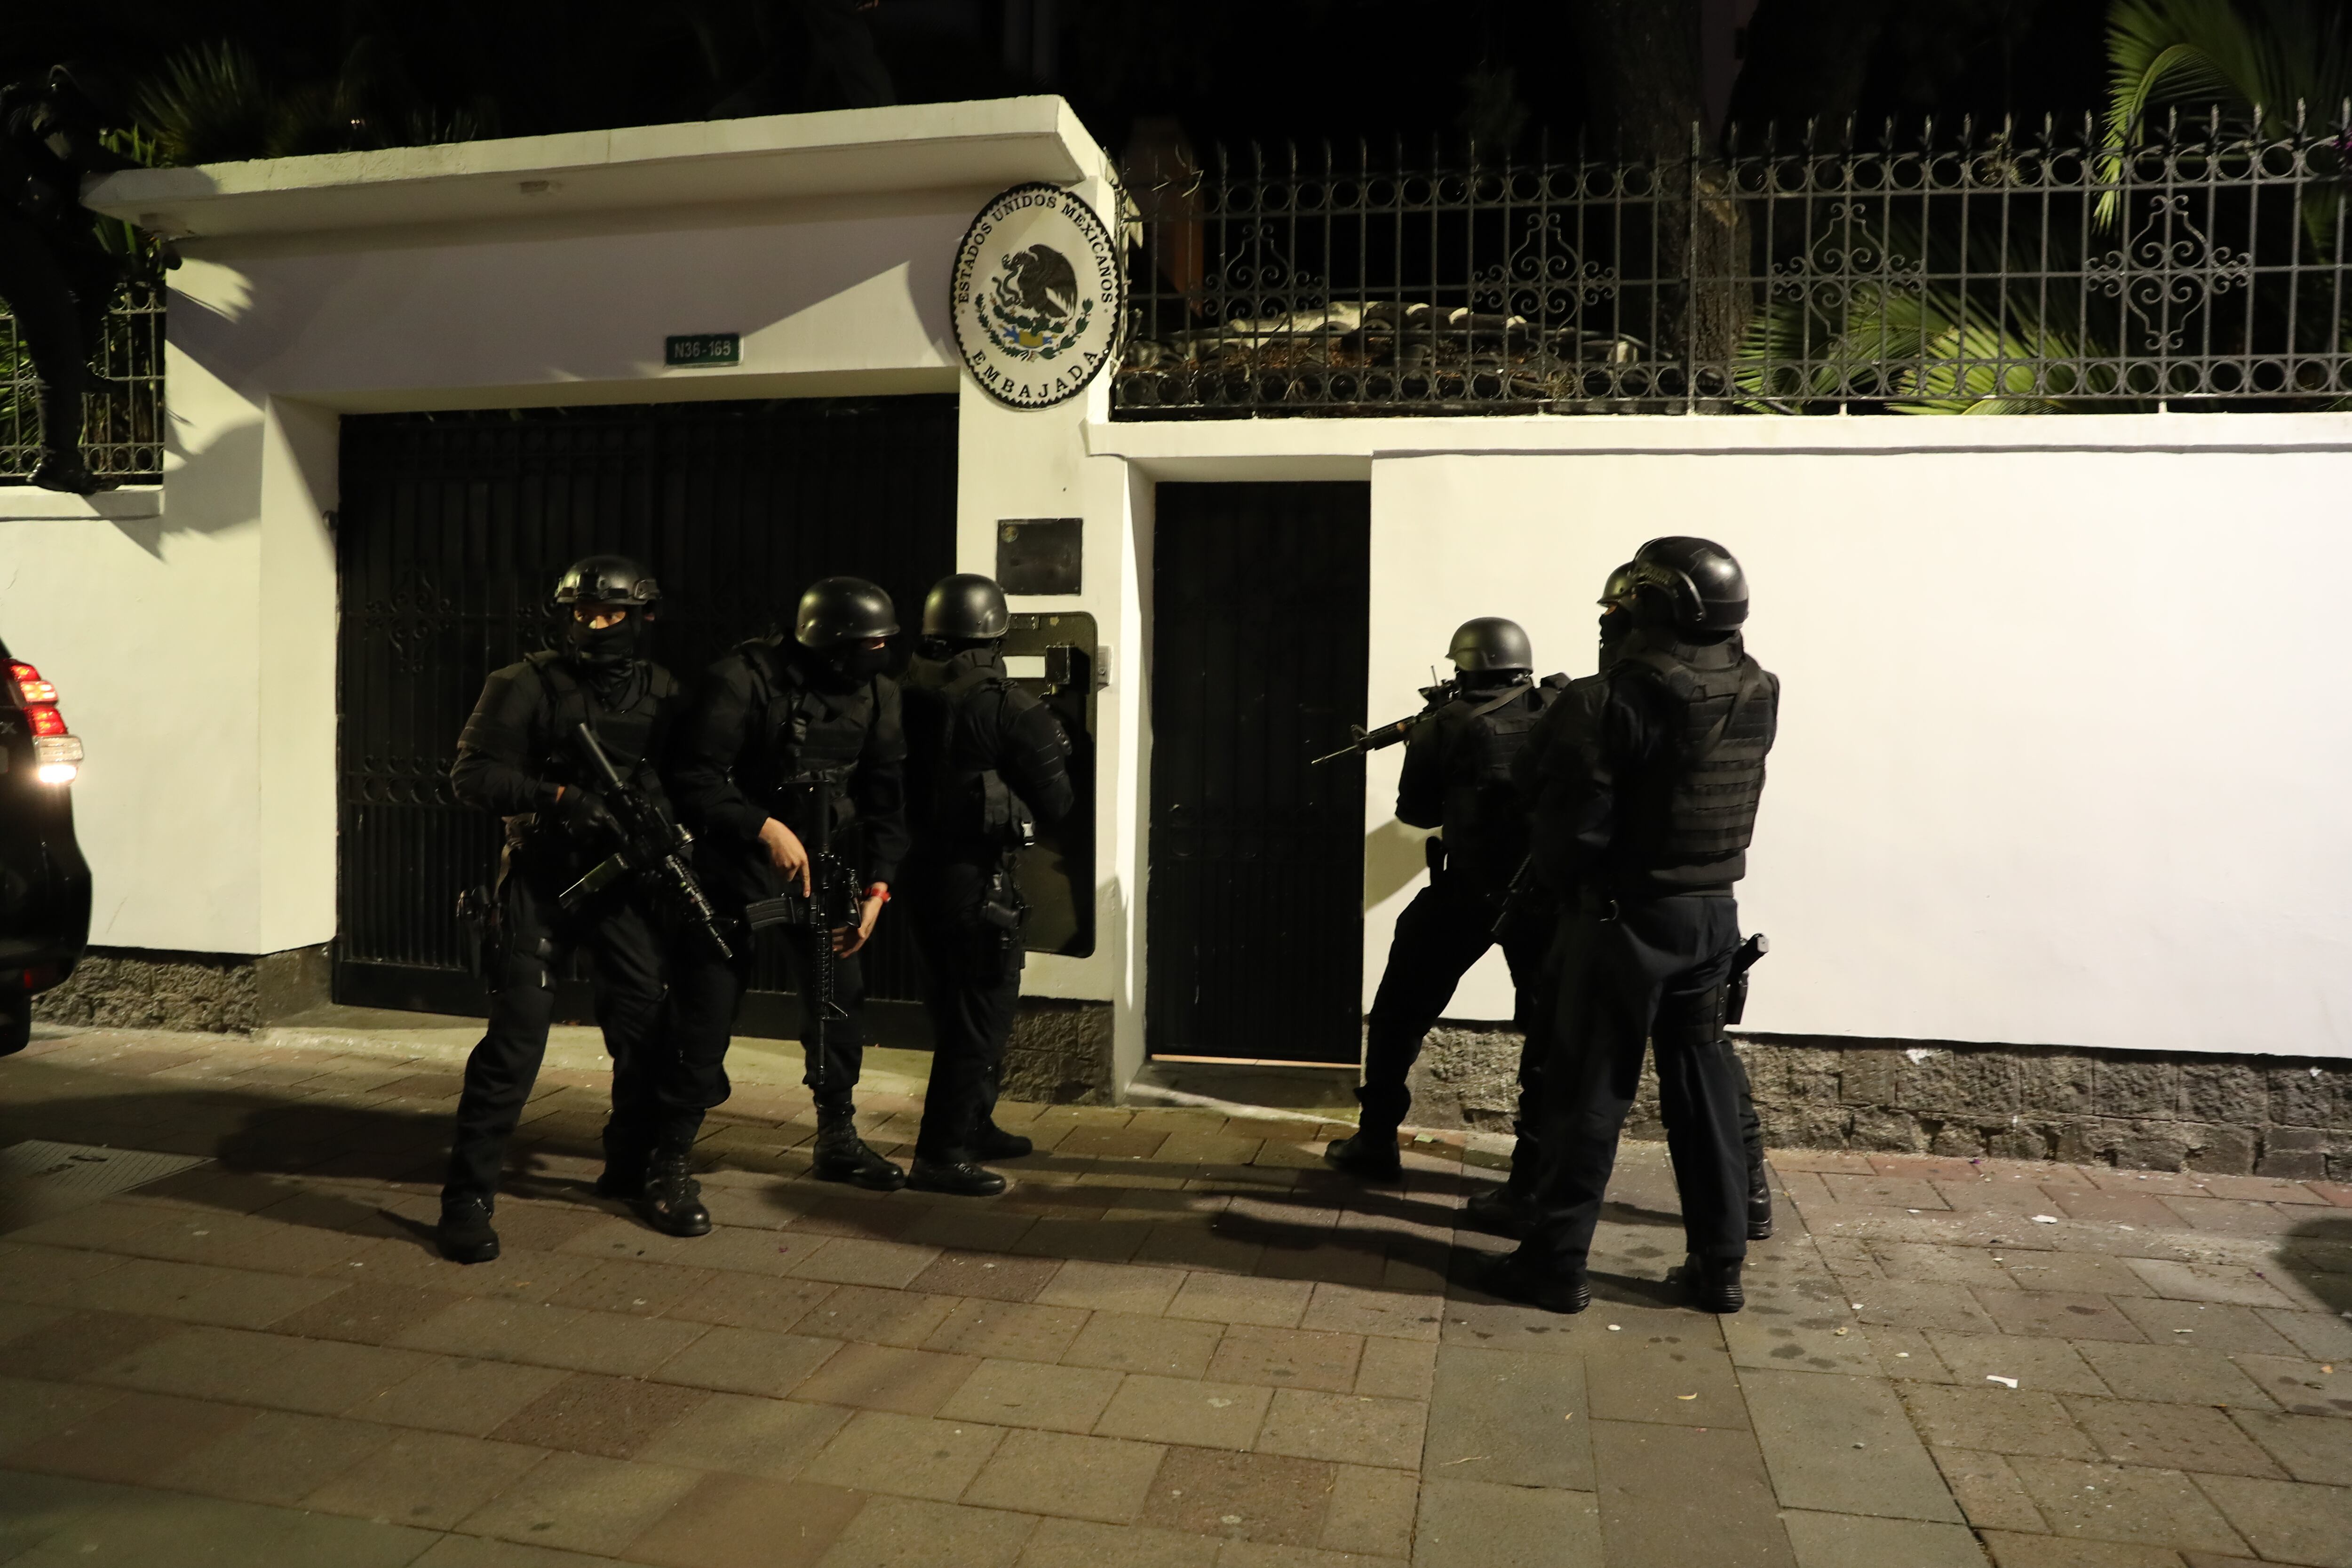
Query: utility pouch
point(1432, 850)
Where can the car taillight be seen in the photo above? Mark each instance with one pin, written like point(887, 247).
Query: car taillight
point(30, 687)
point(56, 755)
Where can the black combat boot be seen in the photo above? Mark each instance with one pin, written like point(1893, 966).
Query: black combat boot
point(1510, 1278)
point(1370, 1157)
point(465, 1231)
point(1713, 1282)
point(1759, 1202)
point(1507, 1210)
point(841, 1155)
point(66, 471)
point(670, 1199)
point(992, 1142)
point(960, 1178)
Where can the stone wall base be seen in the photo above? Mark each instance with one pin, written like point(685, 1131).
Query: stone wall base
point(2152, 1111)
point(219, 993)
point(1059, 1053)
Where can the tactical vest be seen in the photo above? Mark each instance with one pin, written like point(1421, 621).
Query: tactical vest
point(967, 801)
point(1699, 809)
point(798, 731)
point(626, 732)
point(1485, 831)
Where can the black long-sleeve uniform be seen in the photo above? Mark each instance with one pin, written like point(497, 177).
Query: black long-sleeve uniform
point(761, 718)
point(1650, 929)
point(514, 758)
point(982, 753)
point(1457, 777)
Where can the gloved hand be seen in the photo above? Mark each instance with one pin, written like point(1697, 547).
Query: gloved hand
point(582, 813)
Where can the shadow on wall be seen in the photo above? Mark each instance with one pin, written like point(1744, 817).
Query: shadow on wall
point(215, 488)
point(1394, 854)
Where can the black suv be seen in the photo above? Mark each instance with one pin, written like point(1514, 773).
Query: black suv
point(44, 881)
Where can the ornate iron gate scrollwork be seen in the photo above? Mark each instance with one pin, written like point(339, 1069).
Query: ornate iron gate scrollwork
point(454, 526)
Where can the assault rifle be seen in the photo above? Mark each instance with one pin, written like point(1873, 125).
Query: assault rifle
point(652, 846)
point(831, 902)
point(1370, 740)
point(1734, 1004)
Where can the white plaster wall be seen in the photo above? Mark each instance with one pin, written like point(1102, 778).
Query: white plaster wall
point(194, 648)
point(2062, 745)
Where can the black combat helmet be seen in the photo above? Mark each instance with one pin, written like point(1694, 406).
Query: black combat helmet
point(1491, 645)
point(606, 580)
point(1699, 580)
point(966, 607)
point(838, 610)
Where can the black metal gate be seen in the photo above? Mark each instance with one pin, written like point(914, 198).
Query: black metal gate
point(454, 526)
point(1260, 623)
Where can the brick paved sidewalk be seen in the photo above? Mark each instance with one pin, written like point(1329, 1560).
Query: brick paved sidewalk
point(1178, 1342)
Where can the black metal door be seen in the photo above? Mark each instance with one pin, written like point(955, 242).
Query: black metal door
point(1255, 915)
point(454, 526)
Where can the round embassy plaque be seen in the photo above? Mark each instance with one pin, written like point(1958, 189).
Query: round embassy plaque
point(1038, 294)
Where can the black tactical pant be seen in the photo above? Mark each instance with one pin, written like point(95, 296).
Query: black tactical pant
point(57, 285)
point(975, 988)
point(1654, 973)
point(707, 992)
point(1448, 927)
point(536, 935)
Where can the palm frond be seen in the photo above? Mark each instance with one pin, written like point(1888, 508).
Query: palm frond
point(2259, 65)
point(210, 103)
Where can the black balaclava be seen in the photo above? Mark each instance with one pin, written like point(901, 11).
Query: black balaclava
point(1616, 625)
point(850, 665)
point(605, 652)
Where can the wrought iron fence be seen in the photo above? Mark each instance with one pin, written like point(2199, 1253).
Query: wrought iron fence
point(1962, 270)
point(123, 414)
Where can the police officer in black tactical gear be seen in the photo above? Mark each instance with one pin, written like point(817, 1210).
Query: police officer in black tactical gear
point(986, 765)
point(777, 732)
point(1458, 778)
point(518, 758)
point(55, 278)
point(1506, 1209)
point(1646, 785)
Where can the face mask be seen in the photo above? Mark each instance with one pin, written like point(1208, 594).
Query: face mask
point(855, 663)
point(1616, 625)
point(606, 647)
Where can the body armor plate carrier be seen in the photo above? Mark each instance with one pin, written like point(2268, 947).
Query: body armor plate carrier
point(803, 731)
point(624, 732)
point(1700, 816)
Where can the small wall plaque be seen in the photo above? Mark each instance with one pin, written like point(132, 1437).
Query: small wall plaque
point(697, 348)
point(1039, 554)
